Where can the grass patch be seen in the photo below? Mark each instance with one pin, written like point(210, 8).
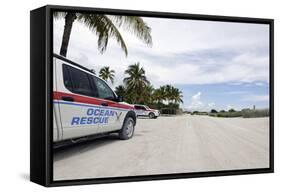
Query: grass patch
point(255, 113)
point(227, 114)
point(245, 113)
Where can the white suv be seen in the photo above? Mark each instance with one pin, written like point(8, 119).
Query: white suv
point(84, 105)
point(145, 111)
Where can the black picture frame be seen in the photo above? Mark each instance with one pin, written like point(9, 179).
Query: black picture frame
point(41, 31)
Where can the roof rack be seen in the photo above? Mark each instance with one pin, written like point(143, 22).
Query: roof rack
point(72, 62)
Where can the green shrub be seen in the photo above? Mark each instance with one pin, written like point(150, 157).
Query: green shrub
point(202, 113)
point(213, 111)
point(168, 111)
point(255, 113)
point(245, 113)
point(194, 112)
point(231, 110)
point(230, 114)
point(213, 114)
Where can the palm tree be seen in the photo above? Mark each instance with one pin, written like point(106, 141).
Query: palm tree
point(160, 94)
point(157, 96)
point(176, 95)
point(106, 73)
point(179, 97)
point(136, 81)
point(120, 91)
point(147, 94)
point(105, 27)
point(169, 93)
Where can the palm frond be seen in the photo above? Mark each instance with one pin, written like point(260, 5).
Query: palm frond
point(134, 24)
point(104, 29)
point(59, 14)
point(105, 73)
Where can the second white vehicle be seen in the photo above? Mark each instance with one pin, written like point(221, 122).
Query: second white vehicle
point(145, 111)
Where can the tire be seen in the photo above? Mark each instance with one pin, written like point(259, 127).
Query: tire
point(151, 115)
point(128, 129)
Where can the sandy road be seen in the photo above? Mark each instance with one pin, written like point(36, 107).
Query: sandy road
point(170, 145)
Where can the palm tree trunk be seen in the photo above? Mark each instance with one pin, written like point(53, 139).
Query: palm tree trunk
point(69, 19)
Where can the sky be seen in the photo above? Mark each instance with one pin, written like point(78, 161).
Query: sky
point(217, 65)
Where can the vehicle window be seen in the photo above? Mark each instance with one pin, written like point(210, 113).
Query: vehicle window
point(104, 90)
point(66, 77)
point(137, 107)
point(93, 85)
point(79, 80)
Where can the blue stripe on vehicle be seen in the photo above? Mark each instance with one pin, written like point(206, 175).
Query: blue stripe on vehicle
point(84, 105)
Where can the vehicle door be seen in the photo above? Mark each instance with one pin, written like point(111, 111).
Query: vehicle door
point(111, 112)
point(140, 110)
point(76, 103)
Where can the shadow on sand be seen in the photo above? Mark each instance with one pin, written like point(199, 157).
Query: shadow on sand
point(83, 147)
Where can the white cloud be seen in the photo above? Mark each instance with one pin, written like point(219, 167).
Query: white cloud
point(211, 104)
point(256, 98)
point(187, 52)
point(236, 92)
point(229, 107)
point(259, 84)
point(197, 104)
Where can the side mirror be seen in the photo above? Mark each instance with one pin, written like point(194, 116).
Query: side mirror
point(120, 98)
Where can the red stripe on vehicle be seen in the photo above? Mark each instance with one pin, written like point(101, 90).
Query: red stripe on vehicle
point(89, 100)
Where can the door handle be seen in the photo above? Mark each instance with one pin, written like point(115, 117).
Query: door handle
point(67, 98)
point(104, 104)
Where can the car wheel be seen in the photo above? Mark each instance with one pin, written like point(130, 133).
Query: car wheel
point(151, 115)
point(128, 129)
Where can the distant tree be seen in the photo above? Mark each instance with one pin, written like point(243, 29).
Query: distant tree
point(162, 93)
point(222, 111)
point(214, 111)
point(157, 95)
point(231, 110)
point(147, 94)
point(120, 91)
point(169, 94)
point(246, 109)
point(176, 95)
point(135, 82)
point(106, 73)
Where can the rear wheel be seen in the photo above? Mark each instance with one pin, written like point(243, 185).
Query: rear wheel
point(151, 115)
point(128, 129)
